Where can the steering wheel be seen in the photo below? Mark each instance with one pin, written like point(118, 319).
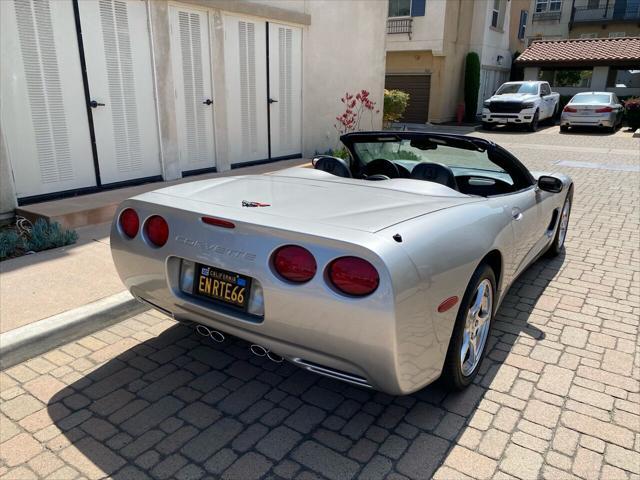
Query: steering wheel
point(381, 166)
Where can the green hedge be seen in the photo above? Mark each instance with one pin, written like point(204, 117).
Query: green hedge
point(471, 85)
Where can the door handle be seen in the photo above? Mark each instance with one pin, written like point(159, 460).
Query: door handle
point(271, 100)
point(208, 101)
point(95, 104)
point(516, 213)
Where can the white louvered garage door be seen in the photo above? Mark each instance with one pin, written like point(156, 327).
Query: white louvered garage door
point(43, 113)
point(245, 60)
point(285, 87)
point(192, 79)
point(118, 57)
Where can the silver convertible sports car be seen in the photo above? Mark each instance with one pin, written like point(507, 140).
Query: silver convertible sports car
point(384, 271)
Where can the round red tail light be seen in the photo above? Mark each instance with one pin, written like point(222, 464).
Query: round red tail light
point(129, 222)
point(294, 263)
point(353, 276)
point(157, 230)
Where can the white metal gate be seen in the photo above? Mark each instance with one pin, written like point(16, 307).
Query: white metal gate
point(44, 114)
point(285, 90)
point(490, 80)
point(118, 59)
point(245, 61)
point(191, 61)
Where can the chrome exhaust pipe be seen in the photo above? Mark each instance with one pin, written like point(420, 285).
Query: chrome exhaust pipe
point(274, 357)
point(214, 335)
point(260, 351)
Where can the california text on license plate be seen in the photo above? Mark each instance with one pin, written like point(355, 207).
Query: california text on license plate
point(221, 285)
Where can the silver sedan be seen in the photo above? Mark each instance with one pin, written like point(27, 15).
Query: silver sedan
point(592, 109)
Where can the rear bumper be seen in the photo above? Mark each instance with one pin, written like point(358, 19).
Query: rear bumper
point(386, 341)
point(603, 120)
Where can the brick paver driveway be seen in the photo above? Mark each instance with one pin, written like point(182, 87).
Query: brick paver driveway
point(558, 395)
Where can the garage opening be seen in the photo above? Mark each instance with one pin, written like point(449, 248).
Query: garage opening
point(418, 86)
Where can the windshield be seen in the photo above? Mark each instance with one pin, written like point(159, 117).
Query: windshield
point(590, 98)
point(460, 160)
point(531, 88)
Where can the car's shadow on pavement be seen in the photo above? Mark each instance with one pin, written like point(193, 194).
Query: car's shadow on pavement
point(181, 406)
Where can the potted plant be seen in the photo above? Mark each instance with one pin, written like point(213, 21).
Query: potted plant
point(632, 112)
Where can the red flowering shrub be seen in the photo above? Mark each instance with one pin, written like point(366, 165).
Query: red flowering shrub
point(356, 106)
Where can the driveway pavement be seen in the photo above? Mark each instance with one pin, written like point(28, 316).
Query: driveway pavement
point(558, 396)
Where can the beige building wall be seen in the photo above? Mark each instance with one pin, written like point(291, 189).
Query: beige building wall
point(517, 6)
point(427, 31)
point(424, 62)
point(344, 50)
point(602, 31)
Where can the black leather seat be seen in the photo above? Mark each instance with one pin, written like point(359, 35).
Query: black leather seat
point(435, 172)
point(333, 165)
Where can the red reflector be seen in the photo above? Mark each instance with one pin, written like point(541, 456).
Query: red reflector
point(294, 263)
point(218, 222)
point(447, 304)
point(157, 230)
point(569, 109)
point(353, 276)
point(604, 110)
point(129, 222)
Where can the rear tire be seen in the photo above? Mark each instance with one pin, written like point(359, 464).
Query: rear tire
point(461, 366)
point(564, 128)
point(561, 232)
point(533, 126)
point(487, 126)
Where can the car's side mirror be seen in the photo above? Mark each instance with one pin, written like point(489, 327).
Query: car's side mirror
point(550, 184)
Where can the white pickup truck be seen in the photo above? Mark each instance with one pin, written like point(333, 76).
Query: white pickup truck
point(520, 103)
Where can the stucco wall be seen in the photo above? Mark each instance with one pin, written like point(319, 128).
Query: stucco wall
point(343, 50)
point(7, 190)
point(515, 44)
point(551, 28)
point(427, 31)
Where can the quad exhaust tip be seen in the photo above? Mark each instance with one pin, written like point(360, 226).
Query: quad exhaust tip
point(260, 351)
point(214, 335)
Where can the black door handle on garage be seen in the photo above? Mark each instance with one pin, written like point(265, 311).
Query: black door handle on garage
point(208, 101)
point(95, 104)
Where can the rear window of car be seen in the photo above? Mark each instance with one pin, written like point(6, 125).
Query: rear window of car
point(588, 99)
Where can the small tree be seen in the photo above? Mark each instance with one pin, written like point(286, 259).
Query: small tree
point(355, 108)
point(471, 85)
point(395, 103)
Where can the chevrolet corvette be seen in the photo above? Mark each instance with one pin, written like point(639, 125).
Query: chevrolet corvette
point(384, 270)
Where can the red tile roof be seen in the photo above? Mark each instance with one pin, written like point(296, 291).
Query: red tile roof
point(582, 51)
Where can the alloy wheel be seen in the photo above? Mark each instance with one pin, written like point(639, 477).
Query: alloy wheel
point(476, 329)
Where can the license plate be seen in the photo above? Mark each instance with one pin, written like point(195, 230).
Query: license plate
point(222, 286)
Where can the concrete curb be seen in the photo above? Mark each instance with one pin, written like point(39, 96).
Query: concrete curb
point(36, 338)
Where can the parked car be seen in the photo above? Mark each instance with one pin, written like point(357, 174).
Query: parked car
point(592, 109)
point(384, 271)
point(520, 103)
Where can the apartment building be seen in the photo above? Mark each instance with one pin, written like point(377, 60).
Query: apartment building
point(427, 42)
point(97, 94)
point(560, 19)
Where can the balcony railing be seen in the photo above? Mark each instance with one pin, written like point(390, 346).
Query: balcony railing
point(547, 16)
point(399, 25)
point(611, 13)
